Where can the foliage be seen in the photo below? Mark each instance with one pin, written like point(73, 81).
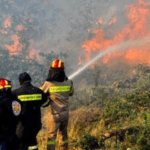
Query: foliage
point(124, 117)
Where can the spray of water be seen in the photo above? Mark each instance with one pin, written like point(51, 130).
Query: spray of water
point(121, 47)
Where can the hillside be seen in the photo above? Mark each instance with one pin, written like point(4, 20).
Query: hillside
point(113, 117)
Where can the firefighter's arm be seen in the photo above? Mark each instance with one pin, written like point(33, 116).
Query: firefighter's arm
point(71, 89)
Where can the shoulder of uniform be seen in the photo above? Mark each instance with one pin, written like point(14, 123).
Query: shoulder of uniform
point(70, 81)
point(37, 89)
point(46, 84)
point(16, 90)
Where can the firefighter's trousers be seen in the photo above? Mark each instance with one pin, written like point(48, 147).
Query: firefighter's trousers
point(57, 124)
point(9, 143)
point(27, 134)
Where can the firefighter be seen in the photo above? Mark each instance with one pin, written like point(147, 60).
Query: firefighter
point(60, 88)
point(32, 99)
point(9, 112)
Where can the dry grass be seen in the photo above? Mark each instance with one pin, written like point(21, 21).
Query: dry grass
point(79, 123)
point(87, 121)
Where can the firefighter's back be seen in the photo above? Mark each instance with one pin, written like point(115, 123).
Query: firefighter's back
point(10, 110)
point(32, 98)
point(59, 94)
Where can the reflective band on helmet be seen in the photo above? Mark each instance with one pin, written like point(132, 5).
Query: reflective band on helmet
point(51, 143)
point(59, 65)
point(32, 147)
point(6, 86)
point(59, 89)
point(30, 97)
point(53, 64)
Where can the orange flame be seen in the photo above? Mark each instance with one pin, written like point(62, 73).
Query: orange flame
point(7, 22)
point(138, 16)
point(112, 21)
point(100, 21)
point(15, 48)
point(33, 53)
point(4, 32)
point(20, 27)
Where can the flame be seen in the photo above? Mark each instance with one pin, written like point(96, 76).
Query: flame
point(4, 32)
point(100, 21)
point(112, 21)
point(138, 16)
point(16, 47)
point(33, 53)
point(7, 22)
point(20, 27)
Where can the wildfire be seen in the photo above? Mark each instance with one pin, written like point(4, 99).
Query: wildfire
point(138, 16)
point(20, 27)
point(33, 54)
point(16, 47)
point(100, 21)
point(4, 32)
point(7, 22)
point(112, 21)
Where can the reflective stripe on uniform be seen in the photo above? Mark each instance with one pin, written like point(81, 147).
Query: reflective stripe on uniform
point(51, 143)
point(72, 89)
point(65, 142)
point(31, 97)
point(32, 147)
point(46, 103)
point(54, 89)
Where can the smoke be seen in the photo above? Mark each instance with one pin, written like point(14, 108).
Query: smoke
point(117, 48)
point(56, 25)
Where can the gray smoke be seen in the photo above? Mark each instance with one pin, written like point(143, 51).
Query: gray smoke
point(61, 26)
point(121, 47)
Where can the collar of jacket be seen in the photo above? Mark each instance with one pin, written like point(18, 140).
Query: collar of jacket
point(58, 76)
point(26, 83)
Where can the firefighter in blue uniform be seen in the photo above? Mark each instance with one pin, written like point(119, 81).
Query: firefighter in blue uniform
point(32, 99)
point(9, 112)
